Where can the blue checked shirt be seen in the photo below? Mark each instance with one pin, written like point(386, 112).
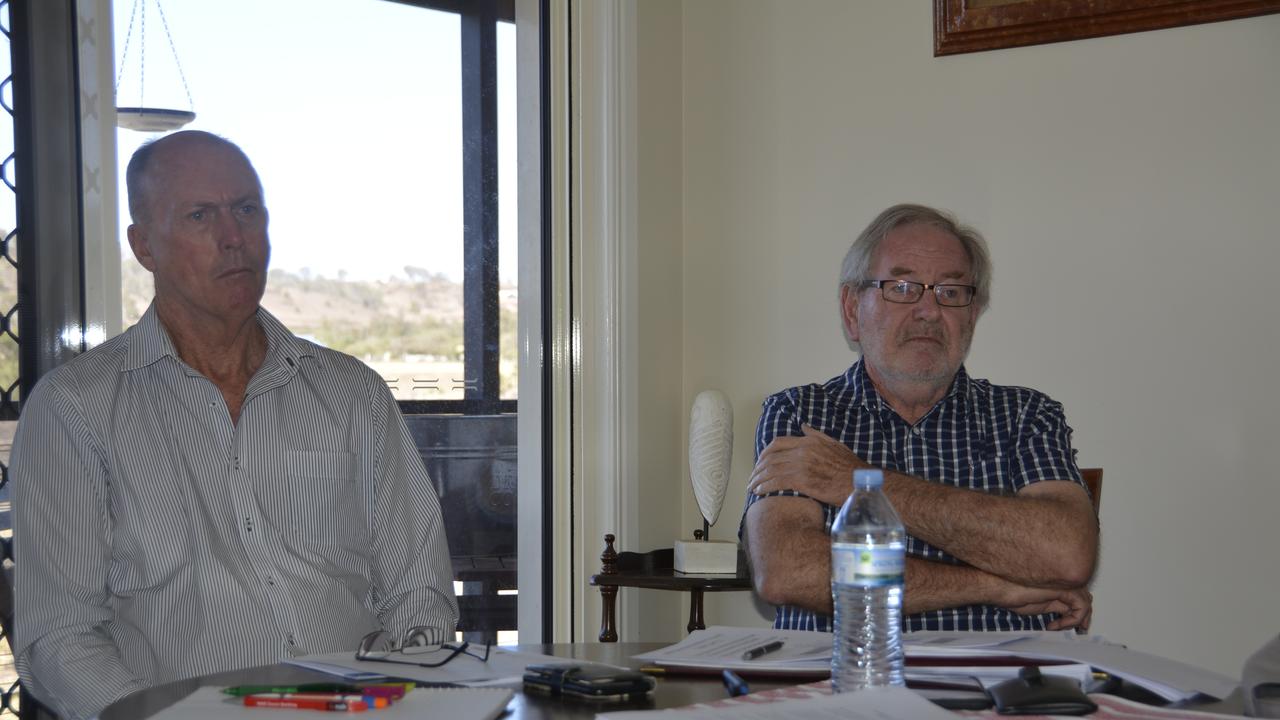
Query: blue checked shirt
point(986, 437)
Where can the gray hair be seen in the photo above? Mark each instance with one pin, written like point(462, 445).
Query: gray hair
point(855, 271)
point(136, 173)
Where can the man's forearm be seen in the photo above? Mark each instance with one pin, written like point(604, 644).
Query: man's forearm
point(415, 587)
point(76, 674)
point(1046, 536)
point(61, 652)
point(790, 556)
point(790, 553)
point(935, 586)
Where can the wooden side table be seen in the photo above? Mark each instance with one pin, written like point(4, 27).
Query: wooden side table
point(655, 570)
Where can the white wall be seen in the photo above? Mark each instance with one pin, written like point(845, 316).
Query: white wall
point(659, 473)
point(1128, 187)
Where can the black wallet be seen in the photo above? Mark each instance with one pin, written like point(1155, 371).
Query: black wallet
point(1034, 694)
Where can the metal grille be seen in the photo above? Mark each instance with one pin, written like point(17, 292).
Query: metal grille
point(9, 372)
point(9, 400)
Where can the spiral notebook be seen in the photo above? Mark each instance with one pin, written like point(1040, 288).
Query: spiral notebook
point(452, 703)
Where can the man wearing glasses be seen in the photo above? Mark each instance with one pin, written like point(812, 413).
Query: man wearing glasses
point(1001, 531)
point(208, 491)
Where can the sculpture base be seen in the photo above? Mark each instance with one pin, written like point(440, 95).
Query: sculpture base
point(706, 557)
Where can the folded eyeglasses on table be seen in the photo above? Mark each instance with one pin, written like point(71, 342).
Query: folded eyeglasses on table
point(382, 646)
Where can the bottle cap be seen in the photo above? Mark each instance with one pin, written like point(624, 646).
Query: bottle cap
point(870, 479)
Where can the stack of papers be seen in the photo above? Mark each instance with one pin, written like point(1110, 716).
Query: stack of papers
point(1172, 680)
point(951, 659)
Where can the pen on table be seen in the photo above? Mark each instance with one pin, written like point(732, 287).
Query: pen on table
point(296, 703)
point(765, 649)
point(734, 684)
point(373, 702)
point(652, 669)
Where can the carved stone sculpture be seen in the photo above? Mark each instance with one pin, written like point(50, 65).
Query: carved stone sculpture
point(710, 451)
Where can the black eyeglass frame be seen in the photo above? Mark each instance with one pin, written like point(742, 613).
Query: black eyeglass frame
point(363, 652)
point(935, 287)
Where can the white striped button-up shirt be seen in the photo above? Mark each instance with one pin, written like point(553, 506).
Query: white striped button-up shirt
point(157, 540)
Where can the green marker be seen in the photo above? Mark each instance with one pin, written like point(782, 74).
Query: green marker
point(242, 690)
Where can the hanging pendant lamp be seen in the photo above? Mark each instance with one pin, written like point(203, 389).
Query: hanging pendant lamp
point(141, 117)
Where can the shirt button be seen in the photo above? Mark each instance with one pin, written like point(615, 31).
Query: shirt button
point(290, 639)
point(915, 431)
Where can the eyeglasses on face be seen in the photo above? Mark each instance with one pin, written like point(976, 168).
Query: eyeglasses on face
point(907, 292)
point(382, 646)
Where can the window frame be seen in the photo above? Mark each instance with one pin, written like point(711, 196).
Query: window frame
point(480, 316)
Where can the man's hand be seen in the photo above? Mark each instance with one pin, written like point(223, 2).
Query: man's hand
point(814, 464)
point(932, 585)
point(1074, 606)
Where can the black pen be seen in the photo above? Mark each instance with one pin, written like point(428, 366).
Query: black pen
point(765, 649)
point(734, 684)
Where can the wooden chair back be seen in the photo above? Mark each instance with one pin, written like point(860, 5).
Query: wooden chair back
point(1093, 480)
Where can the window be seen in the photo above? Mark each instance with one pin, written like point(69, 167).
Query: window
point(376, 249)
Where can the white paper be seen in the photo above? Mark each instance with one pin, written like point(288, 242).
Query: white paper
point(874, 704)
point(930, 643)
point(721, 647)
point(1170, 679)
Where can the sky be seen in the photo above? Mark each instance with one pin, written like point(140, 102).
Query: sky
point(350, 111)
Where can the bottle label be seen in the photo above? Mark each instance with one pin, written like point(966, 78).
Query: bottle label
point(867, 565)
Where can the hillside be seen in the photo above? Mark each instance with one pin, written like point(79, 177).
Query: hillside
point(414, 319)
point(409, 326)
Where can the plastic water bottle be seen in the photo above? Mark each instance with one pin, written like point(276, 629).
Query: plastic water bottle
point(868, 558)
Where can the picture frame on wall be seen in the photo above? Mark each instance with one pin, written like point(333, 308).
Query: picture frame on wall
point(964, 26)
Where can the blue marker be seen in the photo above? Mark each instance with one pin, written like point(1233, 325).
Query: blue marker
point(734, 684)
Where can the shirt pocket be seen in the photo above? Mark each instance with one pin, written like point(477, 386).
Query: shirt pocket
point(325, 510)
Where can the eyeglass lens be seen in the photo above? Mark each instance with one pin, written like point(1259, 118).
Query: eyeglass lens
point(906, 291)
point(421, 640)
point(380, 645)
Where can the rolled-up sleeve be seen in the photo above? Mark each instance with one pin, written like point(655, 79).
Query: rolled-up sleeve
point(1044, 449)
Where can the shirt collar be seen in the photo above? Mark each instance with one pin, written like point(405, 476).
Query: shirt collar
point(149, 342)
point(864, 391)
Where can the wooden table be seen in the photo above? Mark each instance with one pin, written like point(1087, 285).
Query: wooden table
point(671, 691)
point(655, 570)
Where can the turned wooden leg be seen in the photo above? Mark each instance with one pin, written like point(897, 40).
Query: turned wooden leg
point(608, 593)
point(696, 621)
point(608, 626)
